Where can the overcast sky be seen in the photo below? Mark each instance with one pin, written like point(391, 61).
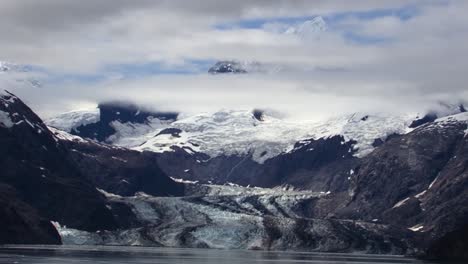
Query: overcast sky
point(386, 55)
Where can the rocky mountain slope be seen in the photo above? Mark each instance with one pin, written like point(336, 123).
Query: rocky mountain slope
point(249, 147)
point(409, 194)
point(362, 183)
point(45, 173)
point(21, 223)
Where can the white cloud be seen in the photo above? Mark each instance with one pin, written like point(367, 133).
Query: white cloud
point(423, 61)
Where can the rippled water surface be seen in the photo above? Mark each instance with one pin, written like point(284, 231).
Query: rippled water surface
point(97, 254)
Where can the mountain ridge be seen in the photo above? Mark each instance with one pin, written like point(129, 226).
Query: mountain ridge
point(407, 196)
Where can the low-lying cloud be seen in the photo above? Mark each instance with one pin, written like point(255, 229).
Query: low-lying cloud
point(370, 59)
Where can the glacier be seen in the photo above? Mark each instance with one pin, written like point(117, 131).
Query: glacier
point(238, 132)
point(234, 217)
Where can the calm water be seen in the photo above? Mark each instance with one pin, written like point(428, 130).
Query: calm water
point(96, 254)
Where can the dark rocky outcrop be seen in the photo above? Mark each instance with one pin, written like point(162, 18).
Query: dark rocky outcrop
point(227, 67)
point(452, 246)
point(424, 120)
point(49, 174)
point(175, 132)
point(418, 181)
point(39, 168)
point(20, 223)
point(318, 165)
point(258, 114)
point(122, 112)
point(121, 171)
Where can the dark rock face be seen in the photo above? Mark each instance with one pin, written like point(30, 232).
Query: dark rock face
point(53, 178)
point(407, 183)
point(175, 132)
point(403, 167)
point(452, 246)
point(424, 120)
point(258, 114)
point(121, 112)
point(462, 108)
point(38, 166)
point(227, 67)
point(122, 171)
point(318, 165)
point(444, 212)
point(20, 223)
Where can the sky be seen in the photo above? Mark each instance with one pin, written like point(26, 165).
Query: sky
point(387, 55)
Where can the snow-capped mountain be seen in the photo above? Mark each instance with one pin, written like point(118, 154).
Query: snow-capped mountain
point(228, 67)
point(236, 67)
point(247, 147)
point(405, 196)
point(238, 132)
point(232, 133)
point(51, 175)
point(113, 122)
point(308, 29)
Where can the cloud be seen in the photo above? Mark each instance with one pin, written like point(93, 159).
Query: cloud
point(372, 57)
point(88, 33)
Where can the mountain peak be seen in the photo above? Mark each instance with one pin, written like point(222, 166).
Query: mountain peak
point(228, 66)
point(308, 27)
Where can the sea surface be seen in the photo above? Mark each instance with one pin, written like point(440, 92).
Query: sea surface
point(109, 254)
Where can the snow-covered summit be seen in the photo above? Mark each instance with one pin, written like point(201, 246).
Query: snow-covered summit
point(239, 132)
point(309, 28)
point(73, 119)
point(235, 66)
point(228, 67)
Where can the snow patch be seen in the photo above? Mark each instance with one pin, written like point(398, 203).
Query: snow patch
point(433, 182)
point(461, 117)
point(183, 181)
point(119, 159)
point(62, 135)
point(132, 135)
point(108, 194)
point(71, 120)
point(5, 119)
point(400, 203)
point(416, 228)
point(419, 195)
